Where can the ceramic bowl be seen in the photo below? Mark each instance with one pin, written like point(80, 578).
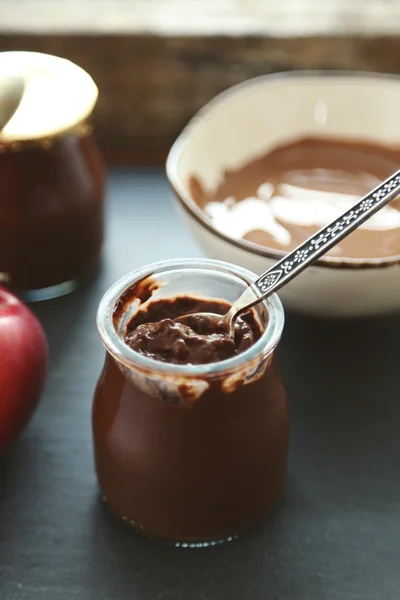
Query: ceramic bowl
point(251, 118)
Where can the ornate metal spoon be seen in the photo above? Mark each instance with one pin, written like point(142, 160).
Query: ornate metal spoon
point(304, 255)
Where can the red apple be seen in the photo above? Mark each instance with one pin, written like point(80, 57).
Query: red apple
point(23, 363)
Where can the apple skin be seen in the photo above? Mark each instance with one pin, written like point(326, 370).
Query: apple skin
point(23, 365)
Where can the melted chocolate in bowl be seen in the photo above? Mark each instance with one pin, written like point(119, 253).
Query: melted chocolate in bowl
point(287, 195)
point(156, 335)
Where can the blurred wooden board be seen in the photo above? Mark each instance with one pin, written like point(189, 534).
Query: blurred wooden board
point(157, 61)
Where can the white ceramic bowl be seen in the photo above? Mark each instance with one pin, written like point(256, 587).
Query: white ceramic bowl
point(249, 119)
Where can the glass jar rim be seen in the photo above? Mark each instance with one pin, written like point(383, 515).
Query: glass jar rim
point(114, 344)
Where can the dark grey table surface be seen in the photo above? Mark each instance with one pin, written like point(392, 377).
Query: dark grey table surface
point(334, 536)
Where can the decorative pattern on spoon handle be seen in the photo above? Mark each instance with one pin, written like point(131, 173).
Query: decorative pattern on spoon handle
point(295, 262)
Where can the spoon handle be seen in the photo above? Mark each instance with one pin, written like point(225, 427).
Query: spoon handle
point(304, 255)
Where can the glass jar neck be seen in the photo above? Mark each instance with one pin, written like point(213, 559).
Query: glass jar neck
point(81, 129)
point(207, 278)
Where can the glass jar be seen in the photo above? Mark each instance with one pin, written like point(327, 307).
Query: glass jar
point(52, 180)
point(193, 454)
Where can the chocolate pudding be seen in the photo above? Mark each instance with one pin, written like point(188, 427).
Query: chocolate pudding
point(200, 341)
point(283, 197)
point(192, 453)
point(51, 212)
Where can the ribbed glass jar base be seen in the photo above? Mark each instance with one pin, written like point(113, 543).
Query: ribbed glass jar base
point(49, 293)
point(177, 543)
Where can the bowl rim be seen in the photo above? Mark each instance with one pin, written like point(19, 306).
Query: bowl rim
point(171, 166)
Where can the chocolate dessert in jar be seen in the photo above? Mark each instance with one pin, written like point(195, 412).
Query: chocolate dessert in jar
point(190, 426)
point(51, 179)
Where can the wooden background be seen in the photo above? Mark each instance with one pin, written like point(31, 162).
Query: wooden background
point(157, 62)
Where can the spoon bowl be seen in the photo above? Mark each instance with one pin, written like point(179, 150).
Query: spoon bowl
point(209, 322)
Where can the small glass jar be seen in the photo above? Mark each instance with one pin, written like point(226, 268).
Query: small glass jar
point(194, 454)
point(52, 180)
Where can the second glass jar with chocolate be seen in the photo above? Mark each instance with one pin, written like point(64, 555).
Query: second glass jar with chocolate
point(51, 186)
